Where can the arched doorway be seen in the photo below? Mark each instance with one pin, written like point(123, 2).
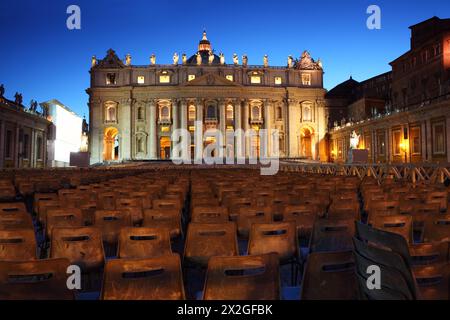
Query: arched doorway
point(306, 143)
point(164, 148)
point(111, 144)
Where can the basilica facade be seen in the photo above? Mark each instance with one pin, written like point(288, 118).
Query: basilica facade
point(135, 108)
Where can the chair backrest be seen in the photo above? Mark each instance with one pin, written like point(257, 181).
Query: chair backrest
point(433, 281)
point(332, 235)
point(82, 246)
point(35, 280)
point(437, 228)
point(243, 278)
point(160, 218)
point(16, 220)
point(383, 208)
point(250, 215)
point(17, 245)
point(143, 279)
point(209, 214)
point(110, 222)
point(393, 284)
point(330, 276)
point(140, 243)
point(12, 207)
point(208, 240)
point(390, 260)
point(304, 216)
point(381, 238)
point(400, 224)
point(69, 217)
point(279, 237)
point(343, 209)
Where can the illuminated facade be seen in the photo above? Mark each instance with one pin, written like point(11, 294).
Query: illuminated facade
point(67, 135)
point(134, 109)
point(403, 115)
point(24, 133)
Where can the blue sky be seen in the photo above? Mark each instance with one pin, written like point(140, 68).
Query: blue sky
point(42, 59)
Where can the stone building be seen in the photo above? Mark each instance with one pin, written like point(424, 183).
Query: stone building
point(134, 109)
point(24, 133)
point(407, 118)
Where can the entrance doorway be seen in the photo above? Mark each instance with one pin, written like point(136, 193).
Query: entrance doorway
point(164, 148)
point(111, 144)
point(306, 143)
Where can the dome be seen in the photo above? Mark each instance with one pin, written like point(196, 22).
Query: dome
point(204, 49)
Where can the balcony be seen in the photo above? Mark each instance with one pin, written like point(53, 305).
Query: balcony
point(165, 121)
point(257, 121)
point(211, 121)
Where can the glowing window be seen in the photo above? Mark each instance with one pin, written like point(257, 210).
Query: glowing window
point(192, 128)
point(255, 79)
point(110, 78)
point(141, 79)
point(229, 77)
point(278, 80)
point(191, 114)
point(164, 78)
point(230, 112)
point(191, 77)
point(165, 129)
point(306, 79)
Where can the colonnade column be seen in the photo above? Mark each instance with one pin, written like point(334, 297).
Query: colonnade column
point(268, 126)
point(183, 121)
point(153, 133)
point(222, 127)
point(246, 127)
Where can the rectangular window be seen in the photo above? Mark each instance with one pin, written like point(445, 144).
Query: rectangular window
point(191, 77)
point(141, 80)
point(306, 79)
point(415, 140)
point(39, 148)
point(229, 77)
point(26, 139)
point(396, 142)
point(278, 80)
point(255, 79)
point(110, 78)
point(8, 144)
point(439, 138)
point(381, 144)
point(164, 78)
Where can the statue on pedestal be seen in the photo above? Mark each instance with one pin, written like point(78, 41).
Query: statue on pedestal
point(244, 60)
point(33, 105)
point(290, 62)
point(93, 61)
point(266, 61)
point(354, 140)
point(210, 57)
point(175, 58)
point(18, 98)
point(235, 59)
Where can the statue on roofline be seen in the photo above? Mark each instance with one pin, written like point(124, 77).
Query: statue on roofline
point(175, 58)
point(184, 58)
point(153, 59)
point(244, 60)
point(2, 90)
point(18, 98)
point(33, 105)
point(222, 58)
point(354, 140)
point(235, 59)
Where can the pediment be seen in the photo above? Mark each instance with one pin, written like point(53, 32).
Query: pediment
point(211, 79)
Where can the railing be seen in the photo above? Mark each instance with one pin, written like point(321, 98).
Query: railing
point(433, 173)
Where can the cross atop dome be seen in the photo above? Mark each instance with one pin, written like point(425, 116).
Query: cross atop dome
point(204, 44)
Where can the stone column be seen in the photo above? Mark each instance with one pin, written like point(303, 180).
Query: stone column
point(246, 127)
point(222, 123)
point(153, 134)
point(2, 143)
point(268, 125)
point(429, 140)
point(183, 120)
point(125, 123)
point(174, 114)
point(423, 141)
point(198, 139)
point(293, 129)
point(237, 114)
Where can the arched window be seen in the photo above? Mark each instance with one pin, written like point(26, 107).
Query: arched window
point(164, 113)
point(279, 113)
point(211, 112)
point(256, 112)
point(111, 112)
point(306, 111)
point(230, 112)
point(140, 113)
point(191, 115)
